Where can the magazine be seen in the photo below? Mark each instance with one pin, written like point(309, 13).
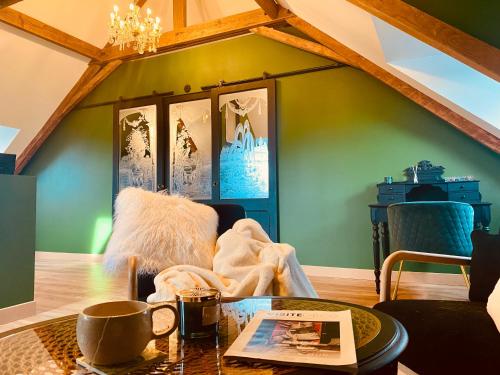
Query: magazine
point(302, 338)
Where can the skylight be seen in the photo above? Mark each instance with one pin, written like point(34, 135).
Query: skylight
point(7, 135)
point(462, 85)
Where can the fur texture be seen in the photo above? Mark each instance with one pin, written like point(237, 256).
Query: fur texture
point(161, 230)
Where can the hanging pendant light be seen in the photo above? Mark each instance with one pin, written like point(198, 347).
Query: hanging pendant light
point(142, 34)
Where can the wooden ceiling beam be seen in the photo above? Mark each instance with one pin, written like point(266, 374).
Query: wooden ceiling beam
point(32, 26)
point(222, 28)
point(270, 7)
point(180, 14)
point(90, 79)
point(300, 43)
point(6, 3)
point(461, 123)
point(448, 39)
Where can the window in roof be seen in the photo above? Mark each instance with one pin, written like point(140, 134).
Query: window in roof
point(7, 135)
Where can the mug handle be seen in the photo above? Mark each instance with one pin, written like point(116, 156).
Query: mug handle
point(174, 325)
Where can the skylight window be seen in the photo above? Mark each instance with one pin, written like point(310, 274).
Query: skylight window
point(7, 135)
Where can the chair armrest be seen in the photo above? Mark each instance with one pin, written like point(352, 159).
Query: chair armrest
point(132, 278)
point(414, 256)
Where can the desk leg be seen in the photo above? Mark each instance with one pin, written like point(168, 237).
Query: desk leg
point(385, 239)
point(376, 256)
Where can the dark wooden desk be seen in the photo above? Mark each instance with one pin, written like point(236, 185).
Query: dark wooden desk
point(459, 191)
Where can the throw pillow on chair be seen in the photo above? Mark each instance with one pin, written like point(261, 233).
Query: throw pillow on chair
point(161, 231)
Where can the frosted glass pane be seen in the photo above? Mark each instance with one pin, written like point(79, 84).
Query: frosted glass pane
point(191, 149)
point(244, 157)
point(137, 165)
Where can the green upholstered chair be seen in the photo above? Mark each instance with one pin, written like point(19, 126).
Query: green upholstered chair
point(431, 227)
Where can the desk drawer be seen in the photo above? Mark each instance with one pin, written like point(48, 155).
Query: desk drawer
point(463, 186)
point(465, 196)
point(391, 189)
point(391, 198)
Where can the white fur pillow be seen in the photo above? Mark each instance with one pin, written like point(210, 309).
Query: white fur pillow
point(493, 305)
point(161, 230)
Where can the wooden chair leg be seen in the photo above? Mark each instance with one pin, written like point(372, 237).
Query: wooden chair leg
point(395, 293)
point(132, 278)
point(466, 277)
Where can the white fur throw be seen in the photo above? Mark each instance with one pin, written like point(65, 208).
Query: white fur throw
point(493, 305)
point(161, 230)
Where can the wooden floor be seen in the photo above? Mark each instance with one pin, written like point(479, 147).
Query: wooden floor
point(65, 287)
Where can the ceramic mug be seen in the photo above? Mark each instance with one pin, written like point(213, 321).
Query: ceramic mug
point(117, 332)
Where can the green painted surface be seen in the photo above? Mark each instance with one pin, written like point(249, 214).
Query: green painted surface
point(340, 132)
point(74, 183)
point(17, 239)
point(479, 18)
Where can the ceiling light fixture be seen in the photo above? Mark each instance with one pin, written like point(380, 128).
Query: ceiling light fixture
point(142, 34)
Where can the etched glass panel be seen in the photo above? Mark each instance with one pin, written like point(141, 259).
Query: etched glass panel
point(244, 157)
point(137, 165)
point(191, 149)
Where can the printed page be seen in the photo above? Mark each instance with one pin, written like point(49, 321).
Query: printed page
point(316, 338)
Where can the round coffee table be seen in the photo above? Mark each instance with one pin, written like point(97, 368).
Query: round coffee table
point(50, 347)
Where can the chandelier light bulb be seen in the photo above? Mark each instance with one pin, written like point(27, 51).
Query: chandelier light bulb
point(148, 11)
point(157, 20)
point(115, 8)
point(131, 6)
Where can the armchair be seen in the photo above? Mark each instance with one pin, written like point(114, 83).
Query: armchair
point(142, 285)
point(450, 337)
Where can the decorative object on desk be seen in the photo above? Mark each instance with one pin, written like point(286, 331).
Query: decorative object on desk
point(322, 339)
point(424, 172)
point(415, 175)
point(117, 332)
point(459, 178)
point(388, 179)
point(199, 311)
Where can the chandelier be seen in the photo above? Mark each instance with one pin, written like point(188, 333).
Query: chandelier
point(142, 34)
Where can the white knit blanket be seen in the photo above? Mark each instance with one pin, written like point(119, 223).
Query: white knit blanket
point(246, 263)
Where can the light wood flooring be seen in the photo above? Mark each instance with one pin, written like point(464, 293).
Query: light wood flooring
point(64, 287)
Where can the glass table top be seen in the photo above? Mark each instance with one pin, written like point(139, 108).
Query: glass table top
point(51, 348)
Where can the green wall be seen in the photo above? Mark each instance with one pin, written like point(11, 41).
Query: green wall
point(340, 131)
point(17, 239)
